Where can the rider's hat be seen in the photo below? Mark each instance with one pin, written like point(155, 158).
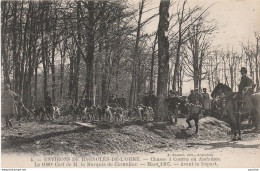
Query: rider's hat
point(243, 69)
point(204, 89)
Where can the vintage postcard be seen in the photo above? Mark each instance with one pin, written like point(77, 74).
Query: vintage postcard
point(130, 84)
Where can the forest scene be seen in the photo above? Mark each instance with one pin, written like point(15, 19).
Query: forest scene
point(86, 69)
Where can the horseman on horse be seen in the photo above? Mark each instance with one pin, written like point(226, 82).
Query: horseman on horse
point(246, 86)
point(236, 104)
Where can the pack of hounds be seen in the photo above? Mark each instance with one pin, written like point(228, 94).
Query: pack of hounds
point(107, 113)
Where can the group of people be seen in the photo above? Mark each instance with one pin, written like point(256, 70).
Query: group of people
point(198, 102)
point(194, 105)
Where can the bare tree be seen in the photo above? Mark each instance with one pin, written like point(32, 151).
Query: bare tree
point(163, 61)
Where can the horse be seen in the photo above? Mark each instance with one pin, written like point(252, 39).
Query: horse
point(256, 102)
point(231, 109)
point(173, 105)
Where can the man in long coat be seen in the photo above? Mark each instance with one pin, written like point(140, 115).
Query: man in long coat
point(48, 106)
point(8, 105)
point(205, 101)
point(191, 97)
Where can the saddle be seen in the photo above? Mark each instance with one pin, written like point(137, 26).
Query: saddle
point(240, 100)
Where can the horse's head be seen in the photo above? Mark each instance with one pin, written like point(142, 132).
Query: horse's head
point(219, 89)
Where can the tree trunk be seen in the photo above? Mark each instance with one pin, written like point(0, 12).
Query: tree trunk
point(105, 75)
point(200, 69)
point(181, 82)
point(152, 64)
point(196, 64)
point(78, 56)
point(103, 54)
point(177, 67)
point(163, 61)
point(35, 57)
point(15, 55)
point(27, 51)
point(4, 54)
point(62, 55)
point(71, 74)
point(90, 51)
point(44, 44)
point(54, 44)
point(176, 80)
point(257, 63)
point(133, 91)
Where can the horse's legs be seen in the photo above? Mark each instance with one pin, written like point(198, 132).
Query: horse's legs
point(233, 130)
point(239, 132)
point(234, 133)
point(196, 124)
point(255, 119)
point(188, 122)
point(7, 120)
point(238, 126)
point(233, 125)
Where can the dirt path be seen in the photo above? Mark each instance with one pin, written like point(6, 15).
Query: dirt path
point(209, 154)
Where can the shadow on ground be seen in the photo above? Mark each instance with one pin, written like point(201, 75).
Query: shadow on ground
point(219, 145)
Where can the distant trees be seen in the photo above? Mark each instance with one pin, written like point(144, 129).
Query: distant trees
point(91, 50)
point(39, 36)
point(137, 64)
point(251, 59)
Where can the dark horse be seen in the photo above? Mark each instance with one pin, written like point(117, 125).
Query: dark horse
point(232, 110)
point(173, 106)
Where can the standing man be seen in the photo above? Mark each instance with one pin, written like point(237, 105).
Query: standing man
point(194, 113)
point(48, 105)
point(197, 96)
point(8, 105)
point(191, 97)
point(205, 101)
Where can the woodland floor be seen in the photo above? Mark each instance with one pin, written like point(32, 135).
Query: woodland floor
point(61, 138)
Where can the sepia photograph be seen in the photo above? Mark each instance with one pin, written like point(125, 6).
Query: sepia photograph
point(130, 84)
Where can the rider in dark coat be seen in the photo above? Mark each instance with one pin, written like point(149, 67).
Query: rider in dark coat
point(245, 82)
